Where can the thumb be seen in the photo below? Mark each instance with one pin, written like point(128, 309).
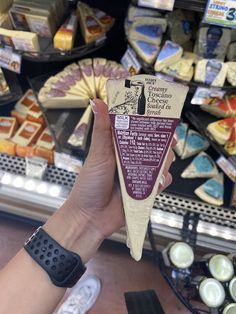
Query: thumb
point(101, 145)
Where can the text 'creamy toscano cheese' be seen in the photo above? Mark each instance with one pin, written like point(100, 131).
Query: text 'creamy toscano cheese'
point(144, 113)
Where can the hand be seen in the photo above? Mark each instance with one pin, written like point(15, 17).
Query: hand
point(96, 193)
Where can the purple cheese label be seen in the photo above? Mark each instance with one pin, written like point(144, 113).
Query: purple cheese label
point(87, 69)
point(98, 69)
point(142, 143)
point(76, 74)
point(56, 93)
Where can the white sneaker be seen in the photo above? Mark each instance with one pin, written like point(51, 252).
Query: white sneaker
point(82, 296)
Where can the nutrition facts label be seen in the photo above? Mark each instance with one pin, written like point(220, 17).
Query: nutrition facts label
point(142, 143)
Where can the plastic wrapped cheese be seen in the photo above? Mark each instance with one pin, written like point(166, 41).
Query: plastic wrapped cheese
point(221, 129)
point(231, 73)
point(181, 131)
point(230, 145)
point(194, 144)
point(217, 107)
point(169, 54)
point(8, 127)
point(146, 51)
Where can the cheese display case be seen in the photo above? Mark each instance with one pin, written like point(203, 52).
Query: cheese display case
point(53, 112)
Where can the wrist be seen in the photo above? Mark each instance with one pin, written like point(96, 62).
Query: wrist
point(74, 233)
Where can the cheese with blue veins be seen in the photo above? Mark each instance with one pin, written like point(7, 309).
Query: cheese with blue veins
point(146, 51)
point(181, 131)
point(194, 144)
point(212, 191)
point(202, 166)
point(169, 54)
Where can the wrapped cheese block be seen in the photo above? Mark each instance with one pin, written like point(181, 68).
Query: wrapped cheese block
point(25, 151)
point(27, 134)
point(7, 147)
point(231, 53)
point(202, 166)
point(20, 117)
point(35, 114)
point(144, 113)
point(220, 130)
point(65, 36)
point(134, 12)
point(211, 72)
point(231, 73)
point(79, 136)
point(146, 51)
point(181, 131)
point(169, 54)
point(26, 101)
point(98, 68)
point(212, 191)
point(194, 144)
point(44, 153)
point(105, 20)
point(8, 127)
point(45, 140)
point(4, 88)
point(86, 68)
point(230, 145)
point(217, 107)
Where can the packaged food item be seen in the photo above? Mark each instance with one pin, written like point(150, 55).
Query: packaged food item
point(221, 129)
point(217, 107)
point(26, 101)
point(25, 151)
point(8, 127)
point(35, 167)
point(146, 51)
point(44, 153)
point(134, 12)
point(211, 292)
point(169, 54)
point(194, 144)
point(181, 131)
point(212, 191)
point(45, 140)
point(144, 113)
point(211, 72)
point(7, 147)
point(202, 166)
point(4, 88)
point(27, 134)
point(231, 73)
point(20, 117)
point(105, 20)
point(230, 145)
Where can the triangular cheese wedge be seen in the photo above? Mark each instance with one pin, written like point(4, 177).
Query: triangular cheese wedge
point(169, 54)
point(105, 20)
point(86, 68)
point(231, 74)
point(98, 68)
point(146, 51)
point(194, 144)
point(142, 132)
point(231, 102)
point(221, 129)
point(202, 166)
point(217, 107)
point(212, 191)
point(230, 145)
point(107, 70)
point(181, 131)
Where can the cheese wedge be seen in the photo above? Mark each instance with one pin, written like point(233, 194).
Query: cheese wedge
point(54, 98)
point(4, 88)
point(45, 140)
point(7, 147)
point(202, 166)
point(211, 72)
point(169, 54)
point(142, 128)
point(147, 29)
point(90, 27)
point(217, 107)
point(134, 12)
point(107, 70)
point(26, 102)
point(231, 73)
point(105, 20)
point(146, 51)
point(27, 133)
point(65, 36)
point(212, 191)
point(8, 127)
point(194, 144)
point(86, 68)
point(221, 130)
point(230, 145)
point(20, 117)
point(231, 53)
point(79, 136)
point(98, 68)
point(181, 131)
point(231, 102)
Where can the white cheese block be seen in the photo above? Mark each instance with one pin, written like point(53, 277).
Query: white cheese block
point(181, 131)
point(79, 136)
point(134, 12)
point(45, 140)
point(86, 68)
point(98, 68)
point(169, 54)
point(231, 73)
point(221, 129)
point(231, 53)
point(212, 191)
point(146, 51)
point(194, 144)
point(57, 99)
point(202, 166)
point(211, 72)
point(213, 42)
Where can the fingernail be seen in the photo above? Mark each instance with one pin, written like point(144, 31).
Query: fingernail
point(162, 180)
point(176, 137)
point(174, 158)
point(93, 106)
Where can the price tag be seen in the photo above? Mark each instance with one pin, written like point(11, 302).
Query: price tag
point(130, 62)
point(228, 167)
point(222, 13)
point(157, 4)
point(10, 60)
point(203, 95)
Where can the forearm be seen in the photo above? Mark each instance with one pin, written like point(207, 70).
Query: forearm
point(25, 286)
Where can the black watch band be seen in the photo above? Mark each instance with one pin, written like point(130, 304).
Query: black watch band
point(63, 267)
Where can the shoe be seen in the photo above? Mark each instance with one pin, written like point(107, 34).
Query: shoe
point(82, 296)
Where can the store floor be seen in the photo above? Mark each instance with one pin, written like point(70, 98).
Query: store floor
point(118, 272)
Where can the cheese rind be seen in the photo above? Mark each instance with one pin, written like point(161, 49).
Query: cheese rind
point(194, 144)
point(169, 54)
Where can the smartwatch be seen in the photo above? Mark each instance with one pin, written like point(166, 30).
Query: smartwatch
point(62, 266)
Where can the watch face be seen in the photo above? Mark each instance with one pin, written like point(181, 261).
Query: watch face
point(221, 267)
point(212, 292)
point(232, 289)
point(181, 255)
point(230, 309)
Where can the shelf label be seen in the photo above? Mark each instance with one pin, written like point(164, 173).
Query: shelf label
point(130, 62)
point(222, 13)
point(10, 60)
point(203, 95)
point(158, 4)
point(228, 167)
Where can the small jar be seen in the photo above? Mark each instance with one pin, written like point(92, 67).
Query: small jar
point(211, 293)
point(232, 289)
point(229, 309)
point(181, 255)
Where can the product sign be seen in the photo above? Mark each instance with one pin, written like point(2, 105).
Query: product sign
point(10, 60)
point(203, 95)
point(158, 4)
point(221, 12)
